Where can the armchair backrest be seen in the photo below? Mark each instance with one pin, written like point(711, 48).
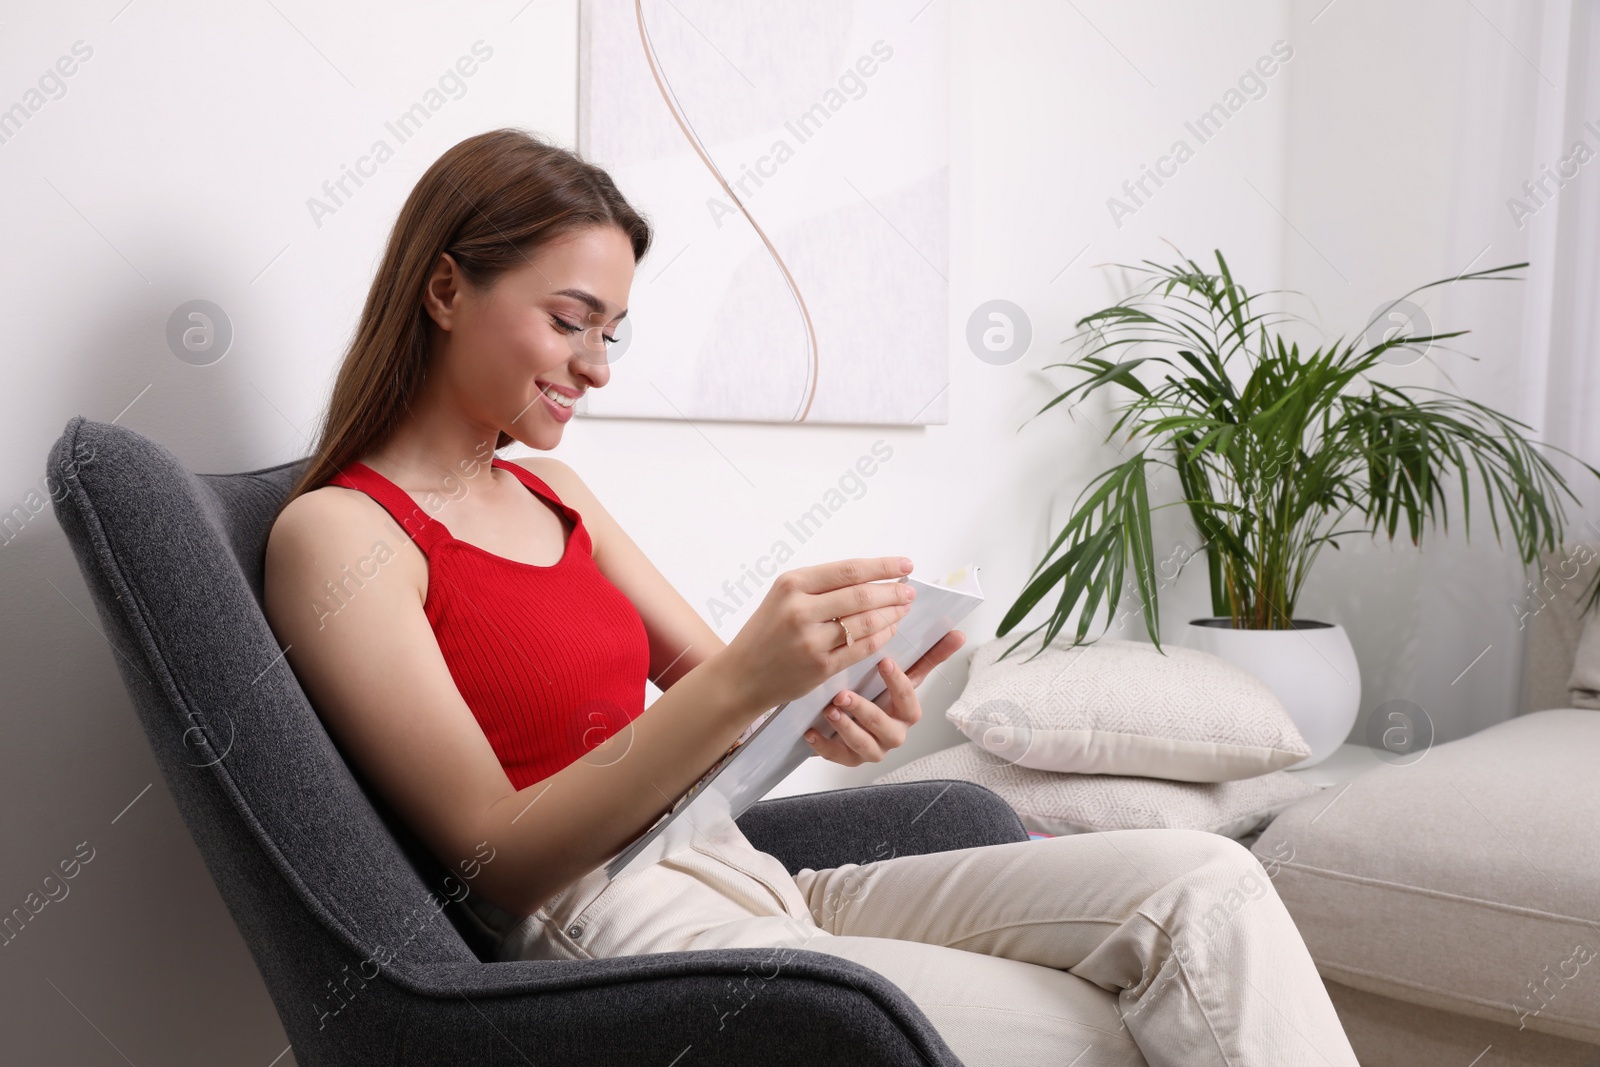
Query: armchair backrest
point(301, 850)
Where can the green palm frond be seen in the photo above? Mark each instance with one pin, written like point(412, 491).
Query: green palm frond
point(1276, 459)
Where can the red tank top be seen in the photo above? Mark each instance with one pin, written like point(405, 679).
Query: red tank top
point(551, 660)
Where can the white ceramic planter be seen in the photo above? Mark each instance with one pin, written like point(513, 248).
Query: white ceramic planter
point(1311, 668)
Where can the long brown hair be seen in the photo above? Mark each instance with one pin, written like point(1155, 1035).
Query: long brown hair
point(489, 201)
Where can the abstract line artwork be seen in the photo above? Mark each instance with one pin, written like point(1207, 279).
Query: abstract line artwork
point(793, 160)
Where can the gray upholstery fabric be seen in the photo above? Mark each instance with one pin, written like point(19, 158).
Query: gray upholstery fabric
point(1466, 881)
point(341, 907)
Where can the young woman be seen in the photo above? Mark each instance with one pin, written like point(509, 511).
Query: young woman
point(477, 632)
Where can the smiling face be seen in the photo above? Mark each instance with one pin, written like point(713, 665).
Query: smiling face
point(541, 328)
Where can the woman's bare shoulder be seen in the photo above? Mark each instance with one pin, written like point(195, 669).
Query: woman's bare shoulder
point(331, 523)
point(328, 511)
point(562, 479)
point(552, 472)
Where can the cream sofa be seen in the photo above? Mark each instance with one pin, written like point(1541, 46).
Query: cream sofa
point(1452, 904)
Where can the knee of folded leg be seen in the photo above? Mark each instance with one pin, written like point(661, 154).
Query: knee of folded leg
point(1223, 879)
point(1214, 849)
point(1252, 878)
point(1181, 855)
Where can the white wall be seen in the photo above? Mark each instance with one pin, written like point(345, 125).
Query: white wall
point(1051, 112)
point(178, 165)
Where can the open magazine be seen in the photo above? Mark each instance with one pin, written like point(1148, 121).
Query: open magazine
point(775, 744)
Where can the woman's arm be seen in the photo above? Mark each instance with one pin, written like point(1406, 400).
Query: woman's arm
point(680, 640)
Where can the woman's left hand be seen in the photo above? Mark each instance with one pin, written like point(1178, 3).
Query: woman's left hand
point(867, 730)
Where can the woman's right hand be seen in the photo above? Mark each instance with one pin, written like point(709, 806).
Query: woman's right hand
point(790, 645)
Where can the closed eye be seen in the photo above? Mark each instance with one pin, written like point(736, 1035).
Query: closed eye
point(563, 324)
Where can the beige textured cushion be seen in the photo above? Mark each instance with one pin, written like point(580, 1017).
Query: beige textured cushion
point(1467, 881)
point(1583, 685)
point(1122, 707)
point(1550, 617)
point(1054, 803)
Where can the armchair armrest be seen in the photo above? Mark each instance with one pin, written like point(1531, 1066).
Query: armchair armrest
point(865, 823)
point(748, 1007)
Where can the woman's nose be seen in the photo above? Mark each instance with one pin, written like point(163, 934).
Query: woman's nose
point(593, 361)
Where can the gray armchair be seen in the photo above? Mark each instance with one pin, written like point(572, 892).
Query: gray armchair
point(359, 933)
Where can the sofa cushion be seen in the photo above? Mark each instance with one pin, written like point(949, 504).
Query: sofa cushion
point(1551, 619)
point(1468, 880)
point(1124, 708)
point(1054, 803)
point(1583, 684)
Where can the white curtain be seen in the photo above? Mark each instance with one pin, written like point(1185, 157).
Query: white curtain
point(1552, 115)
point(1527, 188)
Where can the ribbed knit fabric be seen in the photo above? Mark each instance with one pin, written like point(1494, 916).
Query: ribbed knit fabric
point(551, 660)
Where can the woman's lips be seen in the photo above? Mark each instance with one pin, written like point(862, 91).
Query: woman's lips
point(560, 413)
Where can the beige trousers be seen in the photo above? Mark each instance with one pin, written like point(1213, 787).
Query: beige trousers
point(1158, 947)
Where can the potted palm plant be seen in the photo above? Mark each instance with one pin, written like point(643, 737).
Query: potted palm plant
point(1278, 452)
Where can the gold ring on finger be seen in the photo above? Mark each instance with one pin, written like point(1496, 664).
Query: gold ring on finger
point(849, 638)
